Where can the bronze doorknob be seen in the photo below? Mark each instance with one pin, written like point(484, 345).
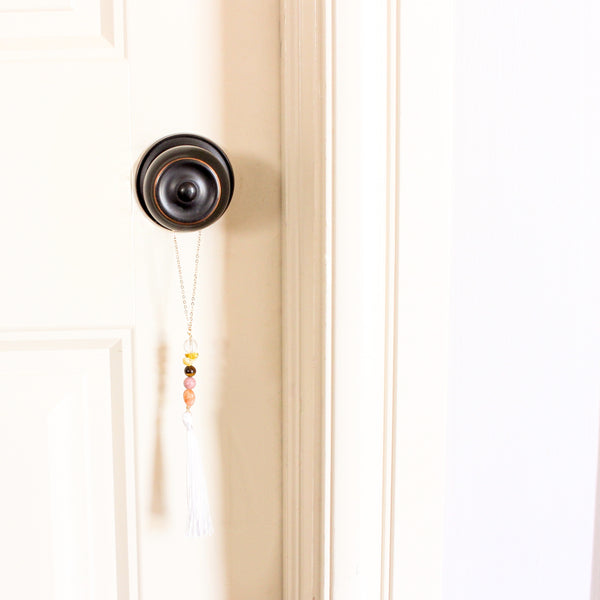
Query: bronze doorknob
point(184, 182)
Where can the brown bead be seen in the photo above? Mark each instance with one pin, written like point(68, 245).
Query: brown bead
point(190, 370)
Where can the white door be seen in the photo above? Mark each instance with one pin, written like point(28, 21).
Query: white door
point(92, 457)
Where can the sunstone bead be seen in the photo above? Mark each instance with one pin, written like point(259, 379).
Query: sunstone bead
point(189, 397)
point(190, 370)
point(189, 383)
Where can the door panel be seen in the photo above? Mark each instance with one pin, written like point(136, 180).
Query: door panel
point(48, 29)
point(68, 462)
point(66, 205)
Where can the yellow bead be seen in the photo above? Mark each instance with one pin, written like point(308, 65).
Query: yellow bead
point(192, 355)
point(187, 361)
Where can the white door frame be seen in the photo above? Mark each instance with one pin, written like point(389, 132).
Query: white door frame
point(367, 132)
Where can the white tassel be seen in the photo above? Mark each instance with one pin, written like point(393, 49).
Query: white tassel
point(199, 520)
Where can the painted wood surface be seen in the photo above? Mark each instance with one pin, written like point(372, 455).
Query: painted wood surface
point(88, 86)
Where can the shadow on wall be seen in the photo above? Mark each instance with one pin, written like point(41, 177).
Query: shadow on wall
point(250, 396)
point(157, 493)
point(160, 259)
point(250, 375)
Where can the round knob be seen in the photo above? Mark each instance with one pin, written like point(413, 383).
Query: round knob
point(184, 182)
point(187, 191)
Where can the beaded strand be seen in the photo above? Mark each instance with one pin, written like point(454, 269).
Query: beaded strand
point(190, 347)
point(189, 383)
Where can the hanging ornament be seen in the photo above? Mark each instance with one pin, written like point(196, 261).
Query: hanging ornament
point(184, 182)
point(199, 517)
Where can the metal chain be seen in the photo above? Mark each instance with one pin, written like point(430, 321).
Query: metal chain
point(189, 314)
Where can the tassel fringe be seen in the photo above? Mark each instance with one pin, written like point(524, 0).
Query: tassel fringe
point(199, 517)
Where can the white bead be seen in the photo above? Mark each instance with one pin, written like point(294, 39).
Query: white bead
point(190, 346)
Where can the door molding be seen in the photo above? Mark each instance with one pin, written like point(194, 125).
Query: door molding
point(367, 137)
point(306, 285)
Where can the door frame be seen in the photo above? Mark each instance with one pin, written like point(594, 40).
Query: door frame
point(305, 295)
point(400, 75)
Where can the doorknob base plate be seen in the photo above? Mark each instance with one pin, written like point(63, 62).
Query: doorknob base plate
point(184, 182)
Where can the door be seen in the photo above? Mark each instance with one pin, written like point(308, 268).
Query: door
point(92, 446)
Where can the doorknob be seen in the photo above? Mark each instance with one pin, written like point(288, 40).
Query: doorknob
point(184, 182)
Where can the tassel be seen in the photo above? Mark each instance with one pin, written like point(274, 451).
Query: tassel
point(199, 519)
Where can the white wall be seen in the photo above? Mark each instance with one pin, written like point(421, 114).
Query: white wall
point(494, 483)
point(525, 348)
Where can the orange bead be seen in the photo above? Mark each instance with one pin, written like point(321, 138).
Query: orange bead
point(189, 397)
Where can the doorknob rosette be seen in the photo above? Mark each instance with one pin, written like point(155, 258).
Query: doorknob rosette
point(184, 182)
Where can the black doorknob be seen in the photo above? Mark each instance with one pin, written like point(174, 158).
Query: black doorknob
point(184, 182)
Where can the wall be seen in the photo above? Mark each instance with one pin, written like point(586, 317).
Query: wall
point(525, 348)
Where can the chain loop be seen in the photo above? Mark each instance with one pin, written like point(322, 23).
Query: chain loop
point(189, 314)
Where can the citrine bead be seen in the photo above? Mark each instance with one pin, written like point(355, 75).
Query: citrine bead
point(192, 355)
point(190, 370)
point(187, 361)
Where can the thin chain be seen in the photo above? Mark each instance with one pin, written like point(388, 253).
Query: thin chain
point(189, 313)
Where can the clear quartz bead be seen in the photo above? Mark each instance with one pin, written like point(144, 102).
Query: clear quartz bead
point(190, 346)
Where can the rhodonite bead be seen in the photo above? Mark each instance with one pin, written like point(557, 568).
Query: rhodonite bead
point(189, 397)
point(190, 370)
point(189, 383)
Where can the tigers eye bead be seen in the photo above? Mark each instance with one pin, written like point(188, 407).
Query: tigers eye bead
point(190, 370)
point(187, 361)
